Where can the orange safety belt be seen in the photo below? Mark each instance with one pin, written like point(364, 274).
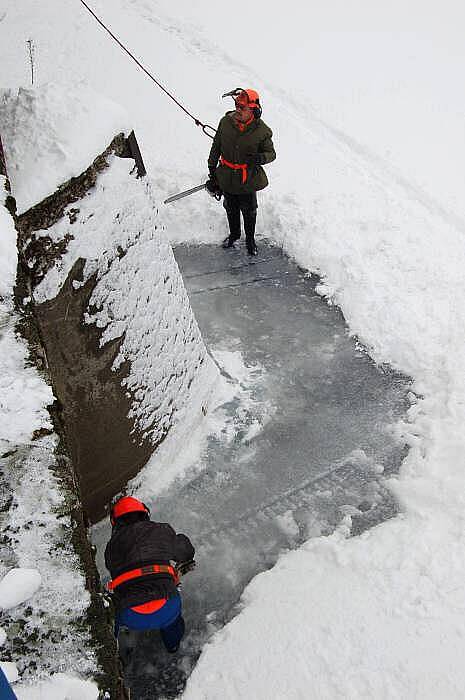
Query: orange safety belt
point(236, 166)
point(143, 571)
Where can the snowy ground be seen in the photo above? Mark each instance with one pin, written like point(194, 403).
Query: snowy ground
point(42, 589)
point(381, 615)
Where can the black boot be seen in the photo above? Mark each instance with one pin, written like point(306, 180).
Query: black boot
point(234, 222)
point(250, 217)
point(233, 212)
point(228, 242)
point(252, 248)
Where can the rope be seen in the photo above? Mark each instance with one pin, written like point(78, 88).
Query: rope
point(139, 64)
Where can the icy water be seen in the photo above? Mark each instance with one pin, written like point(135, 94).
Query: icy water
point(311, 444)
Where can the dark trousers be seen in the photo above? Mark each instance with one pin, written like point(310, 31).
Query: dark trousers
point(234, 205)
point(172, 635)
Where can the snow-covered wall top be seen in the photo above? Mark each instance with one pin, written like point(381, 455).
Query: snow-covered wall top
point(139, 295)
point(50, 135)
point(130, 290)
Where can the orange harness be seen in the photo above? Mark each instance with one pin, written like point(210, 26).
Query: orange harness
point(143, 571)
point(150, 607)
point(236, 166)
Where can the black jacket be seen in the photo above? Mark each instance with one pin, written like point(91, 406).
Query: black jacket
point(138, 544)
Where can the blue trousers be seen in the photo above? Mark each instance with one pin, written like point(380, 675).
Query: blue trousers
point(168, 620)
point(5, 689)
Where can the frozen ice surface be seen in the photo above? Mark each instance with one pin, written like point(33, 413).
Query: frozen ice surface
point(309, 449)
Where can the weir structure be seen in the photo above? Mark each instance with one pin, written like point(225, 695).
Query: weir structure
point(91, 401)
point(106, 418)
point(47, 352)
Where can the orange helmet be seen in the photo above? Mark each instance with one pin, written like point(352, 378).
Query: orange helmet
point(246, 98)
point(126, 505)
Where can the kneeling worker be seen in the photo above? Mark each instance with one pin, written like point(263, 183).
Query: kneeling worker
point(242, 144)
point(140, 557)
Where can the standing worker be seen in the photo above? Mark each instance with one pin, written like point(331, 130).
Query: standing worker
point(144, 559)
point(242, 144)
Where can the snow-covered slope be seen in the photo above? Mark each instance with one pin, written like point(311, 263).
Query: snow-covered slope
point(42, 591)
point(48, 143)
point(381, 615)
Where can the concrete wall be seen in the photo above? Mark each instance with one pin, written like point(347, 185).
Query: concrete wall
point(121, 343)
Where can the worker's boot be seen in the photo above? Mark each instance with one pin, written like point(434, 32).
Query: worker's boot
point(233, 212)
point(250, 218)
point(234, 221)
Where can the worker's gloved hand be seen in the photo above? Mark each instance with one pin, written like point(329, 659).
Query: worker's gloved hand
point(254, 159)
point(184, 567)
point(213, 187)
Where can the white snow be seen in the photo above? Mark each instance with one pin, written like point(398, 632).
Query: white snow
point(18, 586)
point(138, 297)
point(381, 615)
point(23, 395)
point(61, 686)
point(62, 145)
point(10, 670)
point(39, 568)
point(7, 246)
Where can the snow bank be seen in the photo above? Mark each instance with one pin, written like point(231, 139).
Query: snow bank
point(10, 671)
point(46, 143)
point(18, 586)
point(24, 396)
point(7, 246)
point(59, 687)
point(38, 533)
point(42, 586)
point(374, 617)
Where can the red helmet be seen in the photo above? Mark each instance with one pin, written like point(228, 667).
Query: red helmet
point(126, 505)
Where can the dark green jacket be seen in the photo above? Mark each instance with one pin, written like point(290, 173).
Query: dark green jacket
point(235, 145)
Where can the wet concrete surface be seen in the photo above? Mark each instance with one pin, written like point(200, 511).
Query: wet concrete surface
point(322, 453)
point(93, 403)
